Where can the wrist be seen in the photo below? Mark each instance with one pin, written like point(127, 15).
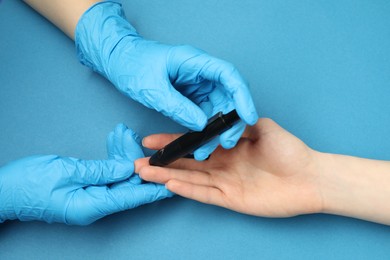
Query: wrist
point(98, 32)
point(328, 186)
point(339, 181)
point(355, 187)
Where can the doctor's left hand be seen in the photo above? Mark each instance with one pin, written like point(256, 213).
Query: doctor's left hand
point(77, 192)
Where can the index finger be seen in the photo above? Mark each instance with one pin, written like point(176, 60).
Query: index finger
point(183, 163)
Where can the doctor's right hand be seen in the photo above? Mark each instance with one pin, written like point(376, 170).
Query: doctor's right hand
point(182, 82)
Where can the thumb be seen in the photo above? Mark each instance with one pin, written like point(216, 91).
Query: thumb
point(127, 195)
point(100, 201)
point(262, 127)
point(100, 172)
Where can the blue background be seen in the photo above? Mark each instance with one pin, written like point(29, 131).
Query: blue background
point(321, 69)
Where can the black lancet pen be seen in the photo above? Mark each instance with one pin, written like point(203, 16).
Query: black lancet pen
point(189, 142)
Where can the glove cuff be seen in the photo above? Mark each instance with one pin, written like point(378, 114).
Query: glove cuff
point(7, 212)
point(98, 32)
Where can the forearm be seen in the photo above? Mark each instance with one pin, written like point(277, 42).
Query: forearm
point(355, 187)
point(64, 14)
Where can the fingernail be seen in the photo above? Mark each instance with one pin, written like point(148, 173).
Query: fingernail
point(144, 141)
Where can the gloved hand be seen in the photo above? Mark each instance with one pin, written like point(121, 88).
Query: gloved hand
point(72, 191)
point(182, 82)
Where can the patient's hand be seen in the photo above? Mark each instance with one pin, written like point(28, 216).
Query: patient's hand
point(269, 173)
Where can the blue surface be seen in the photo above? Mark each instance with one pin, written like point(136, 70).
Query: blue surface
point(319, 68)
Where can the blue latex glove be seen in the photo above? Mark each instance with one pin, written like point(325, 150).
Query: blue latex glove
point(182, 82)
point(68, 190)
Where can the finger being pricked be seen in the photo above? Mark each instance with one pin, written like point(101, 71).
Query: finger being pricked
point(158, 141)
point(182, 164)
point(165, 174)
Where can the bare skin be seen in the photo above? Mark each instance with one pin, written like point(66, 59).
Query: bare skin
point(274, 174)
point(64, 14)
